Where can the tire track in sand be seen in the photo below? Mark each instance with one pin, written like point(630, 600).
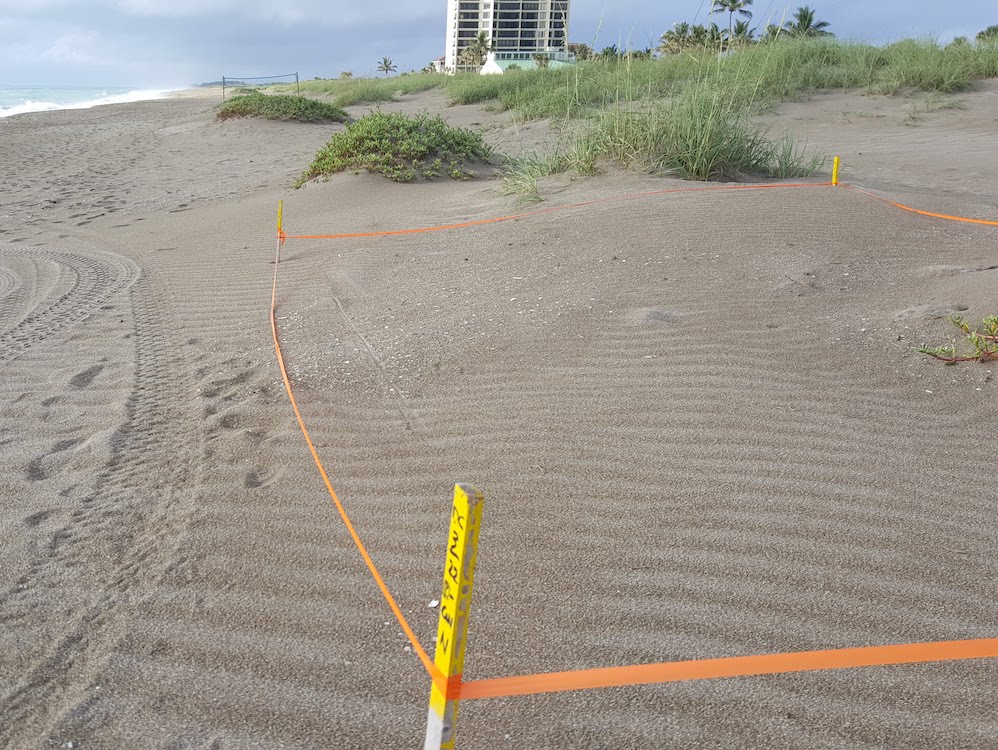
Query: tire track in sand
point(82, 282)
point(126, 533)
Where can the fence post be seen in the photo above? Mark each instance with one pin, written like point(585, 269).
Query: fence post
point(455, 606)
point(223, 88)
point(297, 86)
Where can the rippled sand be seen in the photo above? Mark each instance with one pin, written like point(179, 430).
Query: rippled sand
point(699, 420)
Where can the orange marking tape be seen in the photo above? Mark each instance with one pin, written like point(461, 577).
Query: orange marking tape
point(552, 209)
point(920, 211)
point(736, 666)
point(641, 674)
point(433, 670)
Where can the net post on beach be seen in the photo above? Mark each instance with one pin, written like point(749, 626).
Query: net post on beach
point(228, 81)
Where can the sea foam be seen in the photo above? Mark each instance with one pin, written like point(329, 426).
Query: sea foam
point(19, 100)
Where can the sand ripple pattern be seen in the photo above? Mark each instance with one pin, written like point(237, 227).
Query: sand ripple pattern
point(694, 442)
point(9, 281)
point(65, 287)
point(716, 465)
point(115, 535)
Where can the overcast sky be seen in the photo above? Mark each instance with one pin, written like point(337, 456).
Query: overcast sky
point(173, 43)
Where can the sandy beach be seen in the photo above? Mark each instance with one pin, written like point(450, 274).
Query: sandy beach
point(700, 422)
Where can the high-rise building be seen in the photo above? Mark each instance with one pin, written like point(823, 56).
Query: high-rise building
point(516, 29)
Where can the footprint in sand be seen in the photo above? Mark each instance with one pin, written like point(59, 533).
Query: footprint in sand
point(85, 378)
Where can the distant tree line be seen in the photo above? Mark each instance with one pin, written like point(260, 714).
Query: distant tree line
point(803, 24)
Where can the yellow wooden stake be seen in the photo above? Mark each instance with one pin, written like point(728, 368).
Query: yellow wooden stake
point(835, 170)
point(455, 607)
point(280, 229)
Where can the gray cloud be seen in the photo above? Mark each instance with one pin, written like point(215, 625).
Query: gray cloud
point(147, 43)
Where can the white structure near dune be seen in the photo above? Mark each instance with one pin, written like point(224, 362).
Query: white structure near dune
point(517, 30)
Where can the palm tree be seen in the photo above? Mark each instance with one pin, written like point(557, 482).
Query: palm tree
point(733, 6)
point(474, 54)
point(582, 51)
point(773, 32)
point(610, 53)
point(805, 25)
point(676, 39)
point(741, 34)
point(707, 37)
point(386, 66)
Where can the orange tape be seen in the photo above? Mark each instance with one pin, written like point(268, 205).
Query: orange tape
point(431, 668)
point(552, 209)
point(643, 674)
point(919, 211)
point(737, 666)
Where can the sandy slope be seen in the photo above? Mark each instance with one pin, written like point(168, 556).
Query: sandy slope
point(699, 421)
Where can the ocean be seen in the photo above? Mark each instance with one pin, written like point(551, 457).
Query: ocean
point(15, 100)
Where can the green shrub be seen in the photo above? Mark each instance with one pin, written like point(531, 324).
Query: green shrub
point(401, 148)
point(279, 107)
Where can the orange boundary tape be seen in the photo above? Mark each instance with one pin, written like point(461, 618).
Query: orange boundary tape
point(552, 209)
point(642, 674)
point(431, 668)
point(919, 211)
point(736, 666)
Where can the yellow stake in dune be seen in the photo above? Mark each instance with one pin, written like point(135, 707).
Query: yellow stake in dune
point(280, 228)
point(835, 170)
point(455, 606)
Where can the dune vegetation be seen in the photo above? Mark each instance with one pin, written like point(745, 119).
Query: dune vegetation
point(280, 107)
point(688, 111)
point(781, 70)
point(401, 148)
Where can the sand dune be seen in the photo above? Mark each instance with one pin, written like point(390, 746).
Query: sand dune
point(699, 420)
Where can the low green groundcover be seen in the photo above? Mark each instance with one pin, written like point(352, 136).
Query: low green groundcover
point(280, 107)
point(401, 148)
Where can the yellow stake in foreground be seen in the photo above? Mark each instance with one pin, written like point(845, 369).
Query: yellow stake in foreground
point(455, 606)
point(835, 170)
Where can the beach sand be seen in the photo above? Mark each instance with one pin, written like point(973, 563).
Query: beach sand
point(699, 420)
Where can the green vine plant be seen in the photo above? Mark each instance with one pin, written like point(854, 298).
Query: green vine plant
point(983, 341)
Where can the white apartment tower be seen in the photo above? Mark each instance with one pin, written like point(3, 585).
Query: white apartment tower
point(516, 29)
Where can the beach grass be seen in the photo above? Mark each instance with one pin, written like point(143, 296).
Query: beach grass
point(280, 107)
point(689, 114)
point(401, 148)
point(346, 92)
point(787, 69)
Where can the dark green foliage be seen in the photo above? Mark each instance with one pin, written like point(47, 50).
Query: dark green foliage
point(989, 35)
point(804, 24)
point(401, 148)
point(280, 107)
